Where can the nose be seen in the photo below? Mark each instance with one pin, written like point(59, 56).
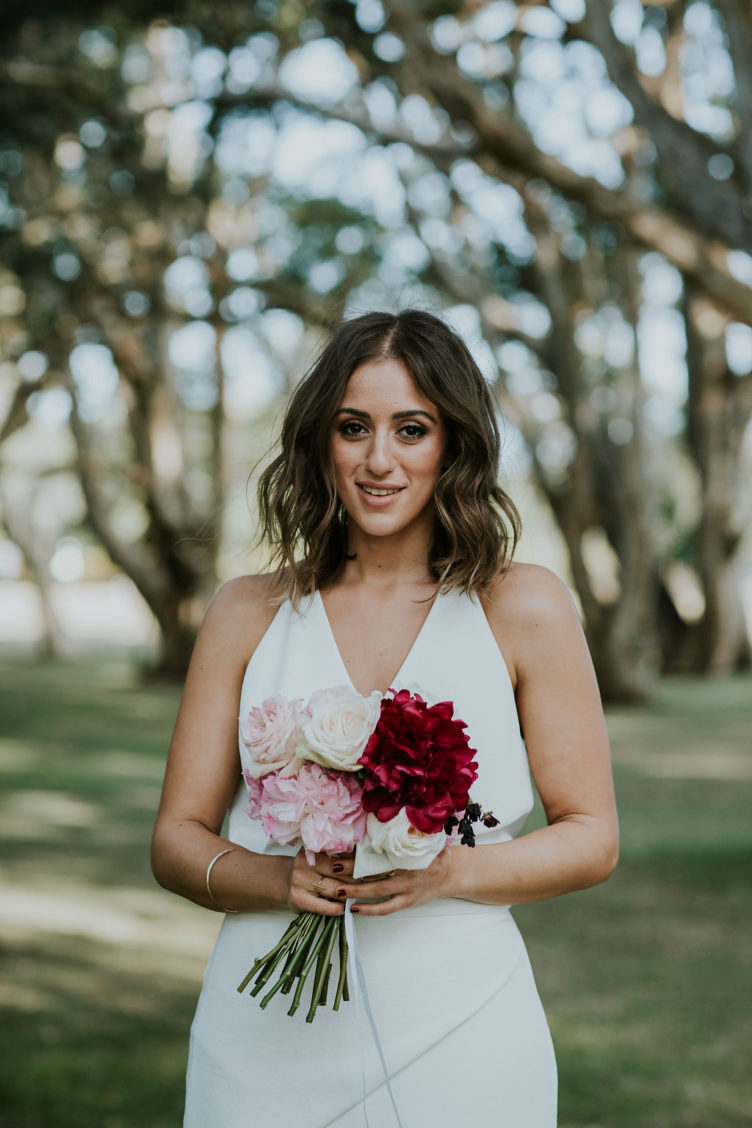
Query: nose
point(380, 456)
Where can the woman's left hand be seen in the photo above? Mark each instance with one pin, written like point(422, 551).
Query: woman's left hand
point(401, 889)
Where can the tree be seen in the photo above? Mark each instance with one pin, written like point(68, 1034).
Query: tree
point(155, 203)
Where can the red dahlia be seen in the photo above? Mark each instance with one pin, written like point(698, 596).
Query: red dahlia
point(419, 758)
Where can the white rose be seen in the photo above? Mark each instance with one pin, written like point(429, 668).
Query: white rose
point(395, 844)
point(335, 727)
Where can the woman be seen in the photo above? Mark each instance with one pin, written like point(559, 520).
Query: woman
point(394, 547)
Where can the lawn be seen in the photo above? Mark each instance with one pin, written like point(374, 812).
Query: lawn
point(647, 980)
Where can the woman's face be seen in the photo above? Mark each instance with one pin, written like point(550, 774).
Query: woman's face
point(387, 448)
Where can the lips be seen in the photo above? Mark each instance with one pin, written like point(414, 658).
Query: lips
point(380, 491)
point(378, 496)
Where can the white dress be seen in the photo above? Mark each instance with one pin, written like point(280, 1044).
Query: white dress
point(456, 1007)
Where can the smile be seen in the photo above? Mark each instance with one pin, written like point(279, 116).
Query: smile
point(380, 493)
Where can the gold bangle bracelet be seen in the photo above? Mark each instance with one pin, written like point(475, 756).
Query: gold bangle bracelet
point(221, 854)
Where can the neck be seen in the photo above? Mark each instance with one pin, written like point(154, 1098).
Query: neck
point(401, 558)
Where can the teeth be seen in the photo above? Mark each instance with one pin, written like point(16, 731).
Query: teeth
point(378, 493)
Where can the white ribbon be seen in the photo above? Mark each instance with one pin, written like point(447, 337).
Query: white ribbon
point(358, 980)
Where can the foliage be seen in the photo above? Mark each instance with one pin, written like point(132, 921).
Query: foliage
point(198, 191)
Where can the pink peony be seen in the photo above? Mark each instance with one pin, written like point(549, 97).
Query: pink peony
point(255, 795)
point(270, 733)
point(323, 808)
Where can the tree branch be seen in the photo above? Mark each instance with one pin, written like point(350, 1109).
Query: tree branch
point(736, 16)
point(716, 206)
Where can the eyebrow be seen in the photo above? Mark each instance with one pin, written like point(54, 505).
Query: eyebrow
point(395, 415)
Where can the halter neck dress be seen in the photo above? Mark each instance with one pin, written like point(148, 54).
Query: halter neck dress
point(454, 999)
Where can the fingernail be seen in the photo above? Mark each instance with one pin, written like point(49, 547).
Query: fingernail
point(337, 867)
point(341, 892)
point(355, 909)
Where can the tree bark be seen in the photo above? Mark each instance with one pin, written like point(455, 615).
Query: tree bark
point(37, 557)
point(173, 564)
point(719, 407)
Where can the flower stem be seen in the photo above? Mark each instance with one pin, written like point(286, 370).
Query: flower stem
point(303, 941)
point(341, 991)
point(284, 942)
point(312, 949)
point(329, 934)
point(327, 977)
point(270, 966)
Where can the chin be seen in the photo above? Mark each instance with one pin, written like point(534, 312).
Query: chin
point(384, 524)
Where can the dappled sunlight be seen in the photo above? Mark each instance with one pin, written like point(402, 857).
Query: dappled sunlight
point(53, 974)
point(705, 762)
point(102, 968)
point(131, 765)
point(144, 930)
point(17, 755)
point(40, 812)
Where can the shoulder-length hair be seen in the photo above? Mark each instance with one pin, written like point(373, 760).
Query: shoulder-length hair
point(476, 524)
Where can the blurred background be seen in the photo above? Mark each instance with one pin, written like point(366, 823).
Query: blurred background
point(191, 196)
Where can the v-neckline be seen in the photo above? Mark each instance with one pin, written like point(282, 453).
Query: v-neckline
point(335, 645)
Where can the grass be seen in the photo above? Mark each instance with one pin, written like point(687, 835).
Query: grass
point(646, 980)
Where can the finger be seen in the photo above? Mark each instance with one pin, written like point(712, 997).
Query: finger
point(321, 906)
point(378, 876)
point(337, 866)
point(325, 887)
point(375, 894)
point(387, 886)
point(382, 908)
point(305, 899)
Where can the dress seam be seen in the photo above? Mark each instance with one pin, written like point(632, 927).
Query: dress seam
point(522, 953)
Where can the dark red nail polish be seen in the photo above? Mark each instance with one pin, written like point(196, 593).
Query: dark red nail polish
point(337, 867)
point(341, 892)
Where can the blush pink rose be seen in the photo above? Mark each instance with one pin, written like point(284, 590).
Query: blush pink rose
point(270, 733)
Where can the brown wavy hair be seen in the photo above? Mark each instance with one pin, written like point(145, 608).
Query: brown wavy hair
point(476, 525)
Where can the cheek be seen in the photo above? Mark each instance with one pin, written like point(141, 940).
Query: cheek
point(342, 456)
point(428, 460)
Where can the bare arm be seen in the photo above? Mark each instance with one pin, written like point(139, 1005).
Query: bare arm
point(536, 624)
point(203, 772)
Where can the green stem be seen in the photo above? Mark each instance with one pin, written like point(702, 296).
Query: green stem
point(324, 963)
point(292, 928)
point(342, 981)
point(325, 989)
point(303, 941)
point(307, 934)
point(290, 957)
point(314, 948)
point(270, 967)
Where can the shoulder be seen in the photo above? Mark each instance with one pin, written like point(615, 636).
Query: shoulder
point(531, 612)
point(244, 595)
point(237, 617)
point(528, 595)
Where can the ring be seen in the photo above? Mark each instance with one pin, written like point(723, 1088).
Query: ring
point(317, 887)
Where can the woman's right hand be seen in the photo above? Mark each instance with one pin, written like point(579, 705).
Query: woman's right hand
point(314, 888)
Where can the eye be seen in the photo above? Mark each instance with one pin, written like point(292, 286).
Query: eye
point(351, 428)
point(413, 431)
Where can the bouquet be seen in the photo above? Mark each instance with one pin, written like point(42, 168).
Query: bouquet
point(389, 777)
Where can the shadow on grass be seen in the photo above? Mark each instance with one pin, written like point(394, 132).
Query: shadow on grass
point(646, 979)
point(90, 1044)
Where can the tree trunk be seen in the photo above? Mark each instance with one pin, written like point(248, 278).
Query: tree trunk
point(177, 636)
point(719, 406)
point(37, 558)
